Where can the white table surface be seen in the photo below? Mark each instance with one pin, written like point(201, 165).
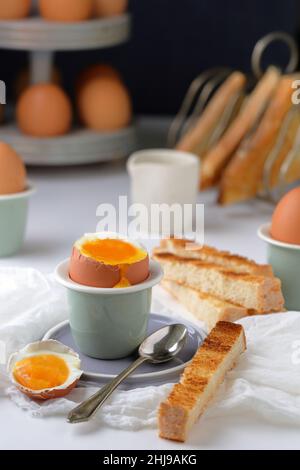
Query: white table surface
point(62, 210)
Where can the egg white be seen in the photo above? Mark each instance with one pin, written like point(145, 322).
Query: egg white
point(48, 347)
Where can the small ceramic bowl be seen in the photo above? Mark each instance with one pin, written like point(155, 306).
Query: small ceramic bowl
point(109, 323)
point(285, 260)
point(13, 219)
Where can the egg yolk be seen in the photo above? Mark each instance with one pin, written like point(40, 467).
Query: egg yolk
point(41, 372)
point(113, 251)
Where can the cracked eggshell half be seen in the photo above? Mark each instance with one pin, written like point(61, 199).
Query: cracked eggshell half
point(45, 370)
point(106, 260)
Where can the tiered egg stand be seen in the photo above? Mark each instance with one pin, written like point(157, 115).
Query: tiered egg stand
point(41, 39)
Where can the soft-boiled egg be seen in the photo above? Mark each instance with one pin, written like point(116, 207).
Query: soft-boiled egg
point(106, 261)
point(66, 10)
point(286, 218)
point(44, 110)
point(14, 9)
point(45, 369)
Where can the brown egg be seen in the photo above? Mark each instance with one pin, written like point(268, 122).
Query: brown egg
point(106, 8)
point(94, 71)
point(44, 110)
point(104, 104)
point(66, 10)
point(14, 9)
point(12, 171)
point(23, 80)
point(286, 218)
point(108, 262)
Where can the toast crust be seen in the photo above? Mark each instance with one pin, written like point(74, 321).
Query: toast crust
point(205, 307)
point(189, 250)
point(242, 179)
point(259, 293)
point(194, 140)
point(219, 156)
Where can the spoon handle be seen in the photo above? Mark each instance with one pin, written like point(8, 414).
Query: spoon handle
point(87, 409)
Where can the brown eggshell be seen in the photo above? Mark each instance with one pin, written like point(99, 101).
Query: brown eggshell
point(12, 171)
point(106, 8)
point(286, 218)
point(138, 272)
point(44, 110)
point(104, 104)
point(94, 71)
point(49, 394)
point(14, 9)
point(66, 10)
point(89, 272)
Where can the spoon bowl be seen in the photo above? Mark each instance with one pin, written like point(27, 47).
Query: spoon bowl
point(161, 346)
point(164, 344)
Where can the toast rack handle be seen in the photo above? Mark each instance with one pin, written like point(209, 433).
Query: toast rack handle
point(265, 42)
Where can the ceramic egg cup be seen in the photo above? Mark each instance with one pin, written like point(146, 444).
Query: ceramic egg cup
point(108, 323)
point(13, 219)
point(285, 260)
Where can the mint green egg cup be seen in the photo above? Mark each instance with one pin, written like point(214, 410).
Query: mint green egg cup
point(13, 221)
point(109, 323)
point(285, 260)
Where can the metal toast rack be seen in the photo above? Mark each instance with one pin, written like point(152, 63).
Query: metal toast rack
point(202, 90)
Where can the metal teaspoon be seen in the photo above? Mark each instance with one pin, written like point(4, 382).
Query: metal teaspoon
point(161, 346)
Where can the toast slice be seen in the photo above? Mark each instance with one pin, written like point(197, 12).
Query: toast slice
point(204, 307)
point(188, 399)
point(242, 179)
point(218, 157)
point(188, 249)
point(197, 138)
point(293, 167)
point(258, 293)
point(284, 146)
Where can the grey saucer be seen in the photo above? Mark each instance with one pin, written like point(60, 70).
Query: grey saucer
point(96, 370)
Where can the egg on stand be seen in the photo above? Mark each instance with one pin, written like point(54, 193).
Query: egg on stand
point(103, 103)
point(14, 9)
point(66, 10)
point(108, 8)
point(44, 110)
point(23, 80)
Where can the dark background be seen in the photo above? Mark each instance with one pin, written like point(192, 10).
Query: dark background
point(173, 41)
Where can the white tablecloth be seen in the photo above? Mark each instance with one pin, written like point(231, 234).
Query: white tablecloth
point(65, 207)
